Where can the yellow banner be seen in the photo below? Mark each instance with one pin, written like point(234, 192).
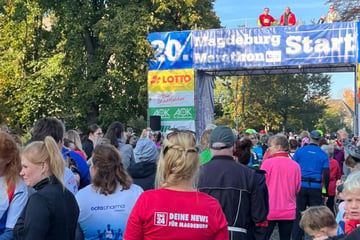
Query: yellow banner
point(171, 80)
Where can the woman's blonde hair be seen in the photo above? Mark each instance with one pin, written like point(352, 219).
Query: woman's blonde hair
point(204, 139)
point(46, 151)
point(304, 134)
point(179, 160)
point(74, 137)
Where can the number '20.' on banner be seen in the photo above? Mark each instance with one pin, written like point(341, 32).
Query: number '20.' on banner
point(172, 50)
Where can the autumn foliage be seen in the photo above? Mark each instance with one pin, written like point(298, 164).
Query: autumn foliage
point(349, 98)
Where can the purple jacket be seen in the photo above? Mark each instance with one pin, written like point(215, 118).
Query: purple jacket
point(339, 156)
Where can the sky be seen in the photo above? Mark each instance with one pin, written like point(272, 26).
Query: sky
point(234, 13)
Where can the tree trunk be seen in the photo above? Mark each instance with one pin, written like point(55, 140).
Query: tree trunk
point(93, 113)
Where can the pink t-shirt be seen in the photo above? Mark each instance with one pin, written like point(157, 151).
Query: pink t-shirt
point(175, 215)
point(283, 179)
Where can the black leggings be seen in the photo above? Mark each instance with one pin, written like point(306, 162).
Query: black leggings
point(285, 227)
point(330, 203)
point(307, 197)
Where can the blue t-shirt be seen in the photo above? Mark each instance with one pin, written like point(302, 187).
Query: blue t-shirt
point(339, 231)
point(254, 160)
point(259, 151)
point(312, 160)
point(105, 217)
point(10, 214)
point(81, 165)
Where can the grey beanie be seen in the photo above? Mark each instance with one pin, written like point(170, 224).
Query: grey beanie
point(145, 150)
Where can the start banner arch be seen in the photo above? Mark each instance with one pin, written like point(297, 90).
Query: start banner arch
point(181, 75)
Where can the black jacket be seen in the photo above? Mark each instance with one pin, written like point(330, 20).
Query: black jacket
point(143, 174)
point(88, 147)
point(241, 192)
point(50, 213)
point(339, 237)
point(354, 235)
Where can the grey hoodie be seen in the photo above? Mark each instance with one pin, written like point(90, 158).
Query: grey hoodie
point(145, 150)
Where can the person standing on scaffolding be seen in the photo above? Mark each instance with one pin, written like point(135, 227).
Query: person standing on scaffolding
point(266, 20)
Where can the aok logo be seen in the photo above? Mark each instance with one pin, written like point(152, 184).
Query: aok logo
point(177, 78)
point(183, 113)
point(164, 113)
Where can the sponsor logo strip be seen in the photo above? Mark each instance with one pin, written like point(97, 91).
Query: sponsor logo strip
point(171, 80)
point(174, 113)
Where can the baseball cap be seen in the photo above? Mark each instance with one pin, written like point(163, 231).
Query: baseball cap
point(250, 131)
point(315, 135)
point(222, 134)
point(321, 132)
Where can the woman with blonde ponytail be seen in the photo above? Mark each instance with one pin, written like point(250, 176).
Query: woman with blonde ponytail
point(51, 212)
point(176, 210)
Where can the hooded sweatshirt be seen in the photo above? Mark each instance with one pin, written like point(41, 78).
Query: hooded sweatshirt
point(144, 170)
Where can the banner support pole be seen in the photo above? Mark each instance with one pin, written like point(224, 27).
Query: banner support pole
point(357, 100)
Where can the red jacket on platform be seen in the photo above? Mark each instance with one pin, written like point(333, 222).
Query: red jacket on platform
point(291, 20)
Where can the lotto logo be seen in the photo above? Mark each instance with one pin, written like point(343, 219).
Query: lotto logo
point(155, 80)
point(171, 80)
point(161, 219)
point(175, 78)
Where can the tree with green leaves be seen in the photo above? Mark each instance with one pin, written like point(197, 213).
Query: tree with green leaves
point(332, 120)
point(349, 10)
point(31, 76)
point(84, 61)
point(279, 102)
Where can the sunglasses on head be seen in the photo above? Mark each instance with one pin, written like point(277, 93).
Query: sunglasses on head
point(177, 131)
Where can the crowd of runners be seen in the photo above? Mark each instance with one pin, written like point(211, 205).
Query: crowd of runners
point(221, 185)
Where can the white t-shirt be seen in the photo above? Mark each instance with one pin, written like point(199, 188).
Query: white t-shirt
point(17, 204)
point(105, 217)
point(70, 181)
